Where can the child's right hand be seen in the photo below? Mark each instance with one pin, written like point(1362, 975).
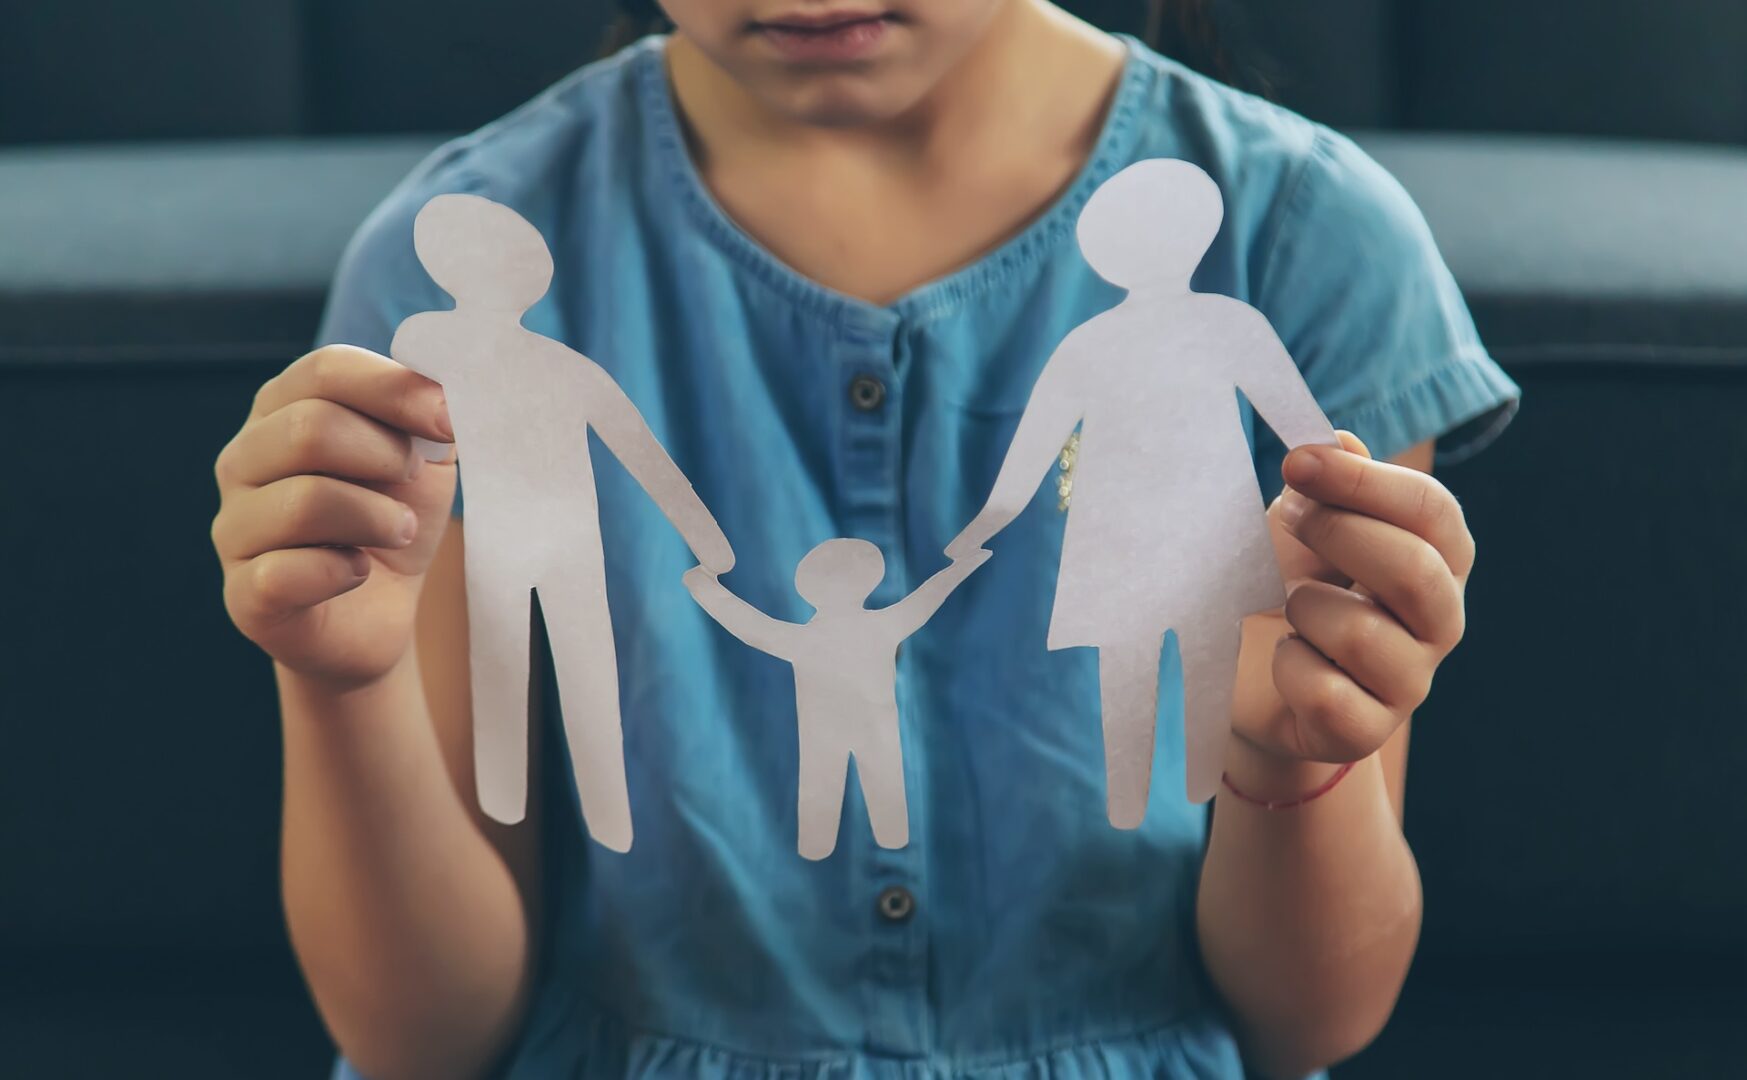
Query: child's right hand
point(329, 517)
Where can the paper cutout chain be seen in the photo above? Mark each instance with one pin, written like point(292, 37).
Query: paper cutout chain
point(1147, 549)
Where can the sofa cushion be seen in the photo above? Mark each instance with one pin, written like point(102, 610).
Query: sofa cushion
point(181, 250)
point(123, 69)
point(1594, 1018)
point(1335, 60)
point(200, 246)
point(1568, 763)
point(1668, 70)
point(110, 69)
point(440, 65)
point(1574, 772)
point(1568, 245)
point(168, 1015)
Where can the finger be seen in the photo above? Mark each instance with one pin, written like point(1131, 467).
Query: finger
point(367, 382)
point(1404, 572)
point(1294, 559)
point(1334, 718)
point(315, 435)
point(1354, 445)
point(1401, 496)
point(1363, 640)
point(264, 590)
point(309, 511)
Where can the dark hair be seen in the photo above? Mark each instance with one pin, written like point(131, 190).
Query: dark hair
point(1195, 33)
point(632, 19)
point(1189, 30)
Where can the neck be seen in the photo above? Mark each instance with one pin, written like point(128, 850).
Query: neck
point(507, 309)
point(875, 209)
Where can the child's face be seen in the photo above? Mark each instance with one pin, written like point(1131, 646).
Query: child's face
point(835, 62)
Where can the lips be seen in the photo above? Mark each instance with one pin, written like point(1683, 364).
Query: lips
point(825, 37)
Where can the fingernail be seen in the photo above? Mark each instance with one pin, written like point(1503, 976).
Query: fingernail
point(409, 528)
point(443, 424)
point(414, 461)
point(1302, 467)
point(1292, 508)
point(357, 562)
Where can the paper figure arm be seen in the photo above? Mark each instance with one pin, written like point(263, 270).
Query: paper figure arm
point(1054, 408)
point(750, 625)
point(913, 612)
point(1274, 386)
point(622, 428)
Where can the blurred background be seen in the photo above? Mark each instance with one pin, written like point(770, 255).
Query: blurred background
point(177, 179)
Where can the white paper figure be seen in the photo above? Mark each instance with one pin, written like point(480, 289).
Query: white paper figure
point(522, 406)
point(1165, 528)
point(845, 660)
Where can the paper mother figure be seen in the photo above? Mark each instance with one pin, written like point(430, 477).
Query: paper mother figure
point(845, 660)
point(1165, 528)
point(521, 405)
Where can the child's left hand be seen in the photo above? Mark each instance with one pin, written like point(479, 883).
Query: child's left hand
point(1376, 558)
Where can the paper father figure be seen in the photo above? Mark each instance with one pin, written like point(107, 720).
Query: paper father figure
point(522, 405)
point(1166, 529)
point(845, 660)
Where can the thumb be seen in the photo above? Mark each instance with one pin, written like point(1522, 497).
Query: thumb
point(430, 494)
point(1353, 444)
point(1297, 561)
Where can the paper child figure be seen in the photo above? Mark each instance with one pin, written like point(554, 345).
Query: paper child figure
point(1166, 528)
point(522, 405)
point(845, 660)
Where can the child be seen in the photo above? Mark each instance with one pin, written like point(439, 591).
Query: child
point(825, 248)
point(845, 665)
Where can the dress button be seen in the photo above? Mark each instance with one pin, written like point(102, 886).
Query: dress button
point(896, 904)
point(867, 393)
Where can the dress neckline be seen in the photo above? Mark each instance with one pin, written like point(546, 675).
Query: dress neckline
point(1110, 151)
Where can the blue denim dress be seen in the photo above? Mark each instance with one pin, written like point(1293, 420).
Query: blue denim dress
point(1018, 934)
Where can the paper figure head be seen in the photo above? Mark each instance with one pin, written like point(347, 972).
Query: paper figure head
point(483, 254)
point(1149, 226)
point(840, 574)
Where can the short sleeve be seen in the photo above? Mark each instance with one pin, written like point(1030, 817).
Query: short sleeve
point(1354, 285)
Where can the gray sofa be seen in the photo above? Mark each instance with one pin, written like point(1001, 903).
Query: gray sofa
point(177, 178)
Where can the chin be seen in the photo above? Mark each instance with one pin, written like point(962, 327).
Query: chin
point(840, 101)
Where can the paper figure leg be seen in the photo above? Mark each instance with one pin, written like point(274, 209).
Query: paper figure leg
point(498, 613)
point(580, 628)
point(1209, 655)
point(819, 804)
point(1128, 684)
point(879, 763)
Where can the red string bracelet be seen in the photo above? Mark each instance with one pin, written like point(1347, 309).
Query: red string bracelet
point(1286, 804)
